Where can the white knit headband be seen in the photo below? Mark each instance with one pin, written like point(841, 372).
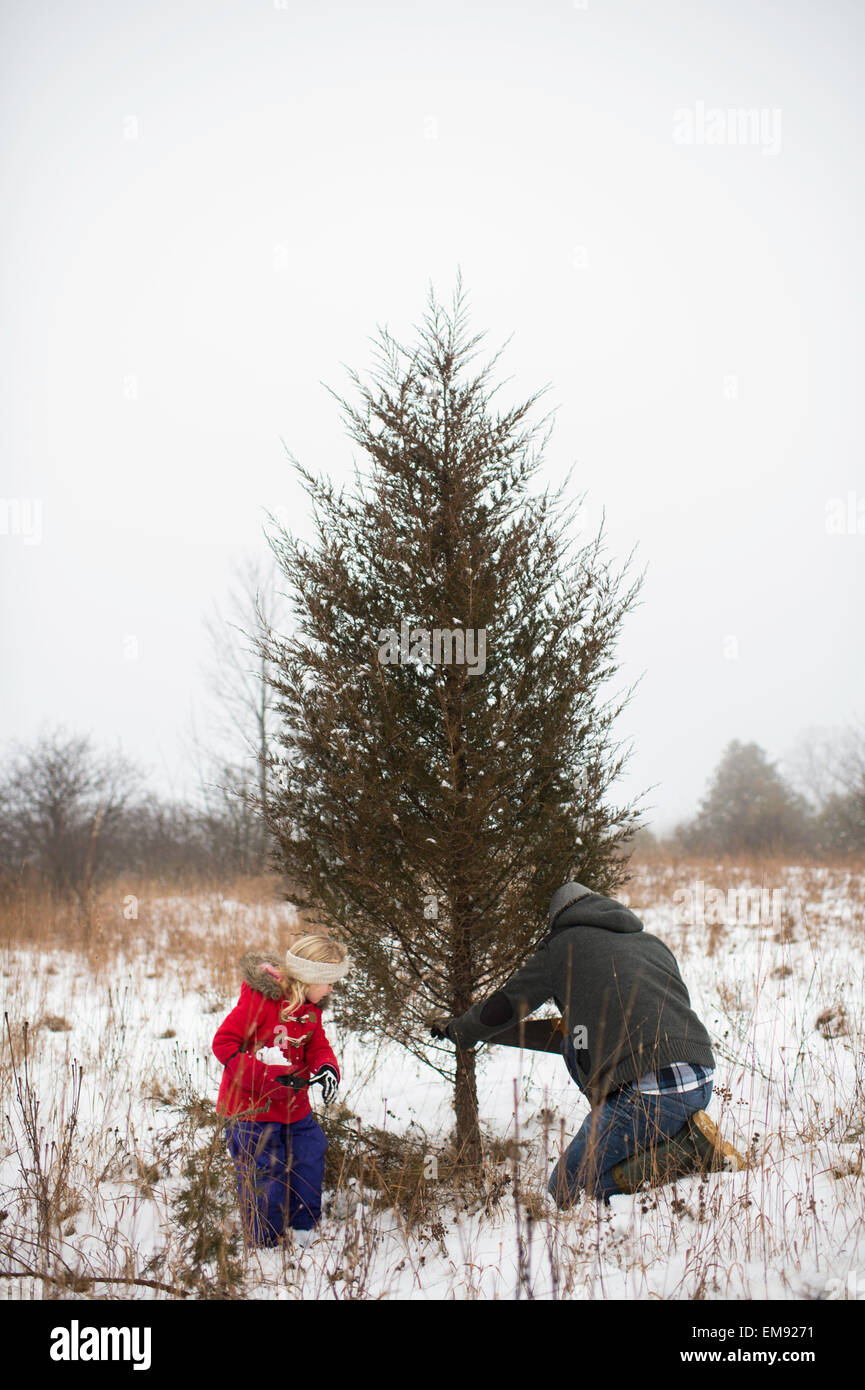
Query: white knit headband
point(316, 972)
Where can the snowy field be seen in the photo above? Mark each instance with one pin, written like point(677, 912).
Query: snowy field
point(119, 1037)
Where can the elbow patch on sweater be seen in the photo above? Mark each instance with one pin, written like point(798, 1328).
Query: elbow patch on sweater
point(497, 1010)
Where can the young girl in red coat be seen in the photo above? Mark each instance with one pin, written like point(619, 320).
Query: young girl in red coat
point(277, 1145)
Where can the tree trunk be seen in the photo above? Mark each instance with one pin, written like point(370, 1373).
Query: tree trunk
point(465, 1086)
point(466, 1107)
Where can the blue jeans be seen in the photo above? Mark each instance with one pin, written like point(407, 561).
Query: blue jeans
point(280, 1173)
point(626, 1122)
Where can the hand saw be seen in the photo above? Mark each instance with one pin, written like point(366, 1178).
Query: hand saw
point(533, 1035)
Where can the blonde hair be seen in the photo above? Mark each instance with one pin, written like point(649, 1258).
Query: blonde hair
point(314, 947)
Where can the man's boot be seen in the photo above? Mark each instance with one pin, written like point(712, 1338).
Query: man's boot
point(696, 1148)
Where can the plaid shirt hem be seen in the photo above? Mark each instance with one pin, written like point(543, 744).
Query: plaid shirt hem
point(678, 1076)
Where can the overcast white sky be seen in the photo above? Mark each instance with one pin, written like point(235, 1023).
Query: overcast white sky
point(209, 208)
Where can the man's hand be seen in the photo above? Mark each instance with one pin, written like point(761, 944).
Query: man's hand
point(438, 1028)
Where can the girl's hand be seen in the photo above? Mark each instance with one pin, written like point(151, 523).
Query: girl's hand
point(329, 1082)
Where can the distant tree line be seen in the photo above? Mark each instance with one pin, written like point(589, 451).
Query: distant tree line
point(72, 816)
point(818, 808)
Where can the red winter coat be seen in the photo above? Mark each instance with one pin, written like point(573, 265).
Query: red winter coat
point(249, 1086)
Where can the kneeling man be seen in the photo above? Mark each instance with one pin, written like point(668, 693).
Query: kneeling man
point(631, 1042)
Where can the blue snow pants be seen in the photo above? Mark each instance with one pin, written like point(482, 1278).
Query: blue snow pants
point(280, 1173)
point(627, 1121)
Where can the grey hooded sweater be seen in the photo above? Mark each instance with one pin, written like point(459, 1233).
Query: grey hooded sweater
point(618, 989)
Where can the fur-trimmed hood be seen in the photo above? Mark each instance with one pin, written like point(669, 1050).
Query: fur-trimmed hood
point(252, 969)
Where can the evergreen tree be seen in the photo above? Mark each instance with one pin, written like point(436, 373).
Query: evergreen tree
point(444, 755)
point(748, 806)
point(840, 825)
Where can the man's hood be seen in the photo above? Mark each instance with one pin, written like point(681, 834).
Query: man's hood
point(594, 910)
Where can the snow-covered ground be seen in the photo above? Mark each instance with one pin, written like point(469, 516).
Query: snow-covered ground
point(782, 998)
